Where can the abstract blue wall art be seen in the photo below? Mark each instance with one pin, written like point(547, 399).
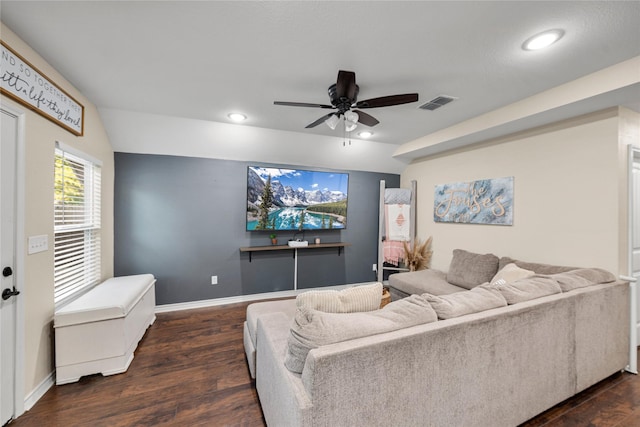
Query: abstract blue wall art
point(486, 201)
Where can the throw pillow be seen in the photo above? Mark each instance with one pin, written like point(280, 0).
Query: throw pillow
point(312, 328)
point(350, 300)
point(526, 289)
point(468, 269)
point(511, 273)
point(458, 304)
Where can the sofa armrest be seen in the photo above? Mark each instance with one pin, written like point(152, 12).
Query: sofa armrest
point(602, 331)
point(283, 397)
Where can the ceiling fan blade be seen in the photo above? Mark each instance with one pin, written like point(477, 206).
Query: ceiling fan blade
point(387, 101)
point(366, 119)
point(302, 104)
point(320, 120)
point(346, 84)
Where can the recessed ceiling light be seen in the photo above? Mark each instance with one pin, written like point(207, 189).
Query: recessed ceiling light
point(365, 134)
point(237, 117)
point(542, 40)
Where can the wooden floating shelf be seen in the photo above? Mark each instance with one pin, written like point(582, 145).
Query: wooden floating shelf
point(251, 249)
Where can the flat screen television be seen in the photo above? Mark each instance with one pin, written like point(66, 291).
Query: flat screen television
point(292, 199)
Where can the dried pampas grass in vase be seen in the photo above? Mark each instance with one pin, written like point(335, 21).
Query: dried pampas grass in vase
point(419, 256)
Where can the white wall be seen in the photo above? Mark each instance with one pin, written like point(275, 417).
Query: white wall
point(40, 136)
point(132, 132)
point(567, 195)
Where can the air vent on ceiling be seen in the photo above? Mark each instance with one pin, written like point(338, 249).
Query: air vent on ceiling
point(437, 102)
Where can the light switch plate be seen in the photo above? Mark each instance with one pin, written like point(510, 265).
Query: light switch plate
point(38, 244)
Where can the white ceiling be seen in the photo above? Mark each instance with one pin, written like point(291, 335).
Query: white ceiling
point(204, 59)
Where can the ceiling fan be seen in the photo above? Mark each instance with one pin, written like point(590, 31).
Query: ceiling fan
point(344, 99)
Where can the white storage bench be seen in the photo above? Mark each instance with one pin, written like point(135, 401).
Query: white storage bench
point(98, 332)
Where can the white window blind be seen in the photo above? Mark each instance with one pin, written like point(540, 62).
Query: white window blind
point(76, 224)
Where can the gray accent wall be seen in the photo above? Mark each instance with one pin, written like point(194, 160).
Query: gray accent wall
point(183, 220)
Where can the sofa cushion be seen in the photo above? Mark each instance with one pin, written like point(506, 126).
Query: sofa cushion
point(511, 273)
point(582, 277)
point(421, 281)
point(537, 268)
point(468, 269)
point(350, 300)
point(312, 328)
point(526, 289)
point(478, 299)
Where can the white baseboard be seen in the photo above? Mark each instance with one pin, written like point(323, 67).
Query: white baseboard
point(39, 391)
point(243, 298)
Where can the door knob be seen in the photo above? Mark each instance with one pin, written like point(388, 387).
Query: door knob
point(7, 271)
point(8, 293)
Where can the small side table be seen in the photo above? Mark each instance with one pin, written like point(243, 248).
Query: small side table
point(386, 297)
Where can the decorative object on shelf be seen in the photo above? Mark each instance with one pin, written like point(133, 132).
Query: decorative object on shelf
point(485, 201)
point(274, 239)
point(27, 85)
point(418, 256)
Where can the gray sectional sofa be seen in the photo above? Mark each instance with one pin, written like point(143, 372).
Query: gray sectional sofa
point(439, 356)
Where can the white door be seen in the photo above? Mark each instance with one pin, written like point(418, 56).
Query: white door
point(9, 126)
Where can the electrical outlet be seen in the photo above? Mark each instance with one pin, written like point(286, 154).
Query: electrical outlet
point(214, 280)
point(375, 267)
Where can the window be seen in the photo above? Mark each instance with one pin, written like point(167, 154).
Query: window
point(76, 223)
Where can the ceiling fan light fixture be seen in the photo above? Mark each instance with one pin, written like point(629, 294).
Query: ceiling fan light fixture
point(332, 121)
point(542, 40)
point(350, 120)
point(349, 126)
point(351, 116)
point(237, 117)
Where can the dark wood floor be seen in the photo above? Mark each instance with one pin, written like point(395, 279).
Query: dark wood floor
point(190, 370)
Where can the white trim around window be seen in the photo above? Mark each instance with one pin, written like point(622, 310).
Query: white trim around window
point(77, 229)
